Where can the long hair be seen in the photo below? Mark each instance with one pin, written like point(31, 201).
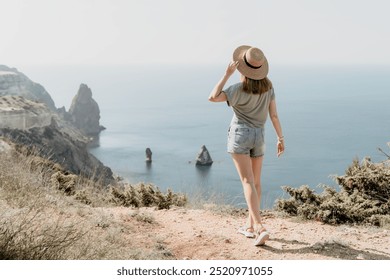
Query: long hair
point(256, 86)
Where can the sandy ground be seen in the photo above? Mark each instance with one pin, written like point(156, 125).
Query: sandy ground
point(204, 234)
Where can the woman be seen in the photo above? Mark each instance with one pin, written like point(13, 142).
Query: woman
point(252, 100)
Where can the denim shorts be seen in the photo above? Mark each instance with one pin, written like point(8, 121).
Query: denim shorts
point(243, 139)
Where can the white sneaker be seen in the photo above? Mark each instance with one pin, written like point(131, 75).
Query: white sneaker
point(261, 238)
point(244, 230)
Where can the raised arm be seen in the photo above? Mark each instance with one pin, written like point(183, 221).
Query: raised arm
point(217, 95)
point(273, 113)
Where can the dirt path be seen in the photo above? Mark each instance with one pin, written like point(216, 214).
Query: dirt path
point(204, 234)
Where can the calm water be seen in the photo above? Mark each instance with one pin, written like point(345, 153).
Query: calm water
point(329, 115)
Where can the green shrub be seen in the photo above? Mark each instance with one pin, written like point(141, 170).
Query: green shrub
point(143, 195)
point(364, 197)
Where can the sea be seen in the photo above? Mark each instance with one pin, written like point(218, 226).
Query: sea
point(330, 116)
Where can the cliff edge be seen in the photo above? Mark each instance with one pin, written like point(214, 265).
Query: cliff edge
point(53, 144)
point(29, 119)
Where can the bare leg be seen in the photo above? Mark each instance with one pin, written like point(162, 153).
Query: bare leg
point(243, 164)
point(257, 164)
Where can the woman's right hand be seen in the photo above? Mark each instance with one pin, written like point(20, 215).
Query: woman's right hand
point(231, 68)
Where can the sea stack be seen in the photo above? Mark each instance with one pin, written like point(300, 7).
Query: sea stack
point(85, 113)
point(204, 158)
point(148, 153)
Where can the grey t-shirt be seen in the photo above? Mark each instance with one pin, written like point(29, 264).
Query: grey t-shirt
point(249, 108)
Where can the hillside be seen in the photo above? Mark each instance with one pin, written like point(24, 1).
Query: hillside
point(29, 119)
point(92, 223)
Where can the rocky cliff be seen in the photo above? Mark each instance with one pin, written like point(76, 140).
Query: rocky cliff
point(20, 113)
point(28, 118)
point(51, 143)
point(83, 115)
point(13, 82)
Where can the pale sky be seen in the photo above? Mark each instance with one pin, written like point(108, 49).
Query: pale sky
point(41, 32)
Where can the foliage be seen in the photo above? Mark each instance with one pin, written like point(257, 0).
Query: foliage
point(143, 195)
point(364, 197)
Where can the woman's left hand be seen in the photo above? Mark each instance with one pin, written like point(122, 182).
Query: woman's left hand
point(280, 147)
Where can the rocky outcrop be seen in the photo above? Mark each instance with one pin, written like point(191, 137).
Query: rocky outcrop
point(29, 119)
point(51, 143)
point(204, 158)
point(16, 112)
point(20, 113)
point(85, 112)
point(25, 104)
point(13, 82)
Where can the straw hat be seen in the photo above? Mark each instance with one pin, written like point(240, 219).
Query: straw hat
point(251, 62)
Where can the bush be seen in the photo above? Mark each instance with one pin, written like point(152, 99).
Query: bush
point(143, 195)
point(370, 179)
point(364, 197)
point(28, 235)
point(26, 203)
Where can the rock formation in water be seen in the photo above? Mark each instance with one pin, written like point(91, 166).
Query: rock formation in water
point(13, 82)
point(148, 153)
point(204, 158)
point(85, 112)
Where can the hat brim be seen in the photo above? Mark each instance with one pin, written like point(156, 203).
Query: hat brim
point(244, 69)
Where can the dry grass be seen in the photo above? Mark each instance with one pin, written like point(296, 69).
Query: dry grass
point(46, 213)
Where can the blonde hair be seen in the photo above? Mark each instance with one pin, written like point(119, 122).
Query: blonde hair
point(256, 86)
